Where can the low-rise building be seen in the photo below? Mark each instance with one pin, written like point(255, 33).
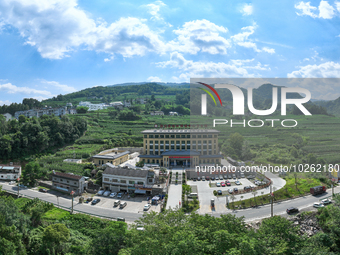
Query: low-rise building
point(59, 111)
point(8, 116)
point(128, 180)
point(110, 156)
point(10, 172)
point(156, 113)
point(93, 107)
point(68, 182)
point(173, 113)
point(71, 160)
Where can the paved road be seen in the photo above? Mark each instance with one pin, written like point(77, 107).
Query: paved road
point(303, 203)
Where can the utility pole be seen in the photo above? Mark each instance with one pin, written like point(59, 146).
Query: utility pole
point(272, 200)
point(18, 185)
point(72, 193)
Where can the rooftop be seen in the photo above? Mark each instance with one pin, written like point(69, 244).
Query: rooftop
point(126, 172)
point(112, 155)
point(65, 175)
point(179, 131)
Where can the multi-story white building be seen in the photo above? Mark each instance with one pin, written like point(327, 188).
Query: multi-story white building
point(59, 111)
point(93, 107)
point(10, 172)
point(132, 180)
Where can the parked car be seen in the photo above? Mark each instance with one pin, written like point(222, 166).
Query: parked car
point(222, 184)
point(194, 179)
point(247, 188)
point(116, 203)
point(228, 183)
point(203, 178)
point(43, 190)
point(147, 207)
point(119, 195)
point(235, 190)
point(234, 176)
point(229, 176)
point(120, 219)
point(230, 191)
point(89, 199)
point(237, 183)
point(292, 210)
point(100, 192)
point(242, 175)
point(106, 193)
point(326, 201)
point(198, 178)
point(221, 177)
point(122, 205)
point(317, 190)
point(219, 192)
point(318, 205)
point(113, 194)
point(207, 178)
point(218, 184)
point(95, 201)
point(212, 178)
point(225, 177)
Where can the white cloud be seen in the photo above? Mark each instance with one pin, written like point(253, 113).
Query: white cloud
point(324, 70)
point(247, 10)
point(326, 11)
point(57, 27)
point(200, 35)
point(154, 79)
point(6, 102)
point(189, 68)
point(242, 39)
point(155, 8)
point(306, 9)
point(12, 89)
point(61, 87)
point(337, 4)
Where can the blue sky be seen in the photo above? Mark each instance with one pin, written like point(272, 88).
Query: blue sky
point(51, 47)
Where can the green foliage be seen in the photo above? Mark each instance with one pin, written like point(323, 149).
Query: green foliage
point(82, 109)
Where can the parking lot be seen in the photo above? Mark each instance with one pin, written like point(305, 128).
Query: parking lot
point(134, 205)
point(205, 193)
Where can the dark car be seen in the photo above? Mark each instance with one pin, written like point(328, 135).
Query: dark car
point(247, 188)
point(225, 177)
point(235, 190)
point(207, 178)
point(43, 190)
point(219, 192)
point(212, 178)
point(89, 199)
point(292, 210)
point(96, 201)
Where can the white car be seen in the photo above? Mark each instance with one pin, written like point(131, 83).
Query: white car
point(326, 201)
point(113, 194)
point(100, 192)
point(318, 205)
point(106, 193)
point(218, 184)
point(147, 207)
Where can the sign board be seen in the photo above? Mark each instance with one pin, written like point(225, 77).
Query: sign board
point(72, 192)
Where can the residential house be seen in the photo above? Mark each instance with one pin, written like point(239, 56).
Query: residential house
point(8, 116)
point(110, 156)
point(156, 113)
point(10, 172)
point(68, 182)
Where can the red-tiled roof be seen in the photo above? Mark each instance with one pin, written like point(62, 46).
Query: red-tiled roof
point(65, 175)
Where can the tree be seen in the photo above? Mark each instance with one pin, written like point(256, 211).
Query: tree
point(82, 109)
point(254, 193)
point(278, 235)
point(140, 163)
point(31, 173)
point(186, 189)
point(54, 237)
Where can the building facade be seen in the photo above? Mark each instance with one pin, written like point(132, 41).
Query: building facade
point(8, 116)
point(68, 182)
point(59, 111)
point(128, 180)
point(10, 172)
point(181, 147)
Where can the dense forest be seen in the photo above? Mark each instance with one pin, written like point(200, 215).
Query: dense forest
point(27, 103)
point(36, 227)
point(19, 138)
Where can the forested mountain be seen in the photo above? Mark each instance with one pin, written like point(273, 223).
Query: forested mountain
point(332, 106)
point(30, 136)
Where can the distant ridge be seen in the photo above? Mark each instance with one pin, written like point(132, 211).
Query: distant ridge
point(147, 82)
